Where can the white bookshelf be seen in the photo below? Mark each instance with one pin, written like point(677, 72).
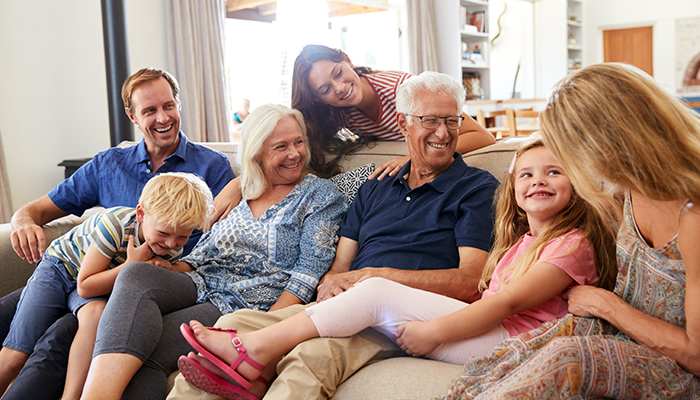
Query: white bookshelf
point(456, 44)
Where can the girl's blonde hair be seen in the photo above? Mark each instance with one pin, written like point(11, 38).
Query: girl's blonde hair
point(258, 127)
point(511, 224)
point(613, 121)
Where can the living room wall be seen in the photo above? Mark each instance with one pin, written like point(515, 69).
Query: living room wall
point(53, 87)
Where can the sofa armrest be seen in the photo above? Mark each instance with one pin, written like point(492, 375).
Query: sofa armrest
point(14, 270)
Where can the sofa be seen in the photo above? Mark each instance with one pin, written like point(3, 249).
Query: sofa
point(396, 378)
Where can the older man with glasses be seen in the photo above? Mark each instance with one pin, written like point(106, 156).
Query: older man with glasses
point(428, 227)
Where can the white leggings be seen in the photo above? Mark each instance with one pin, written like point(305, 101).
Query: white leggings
point(384, 305)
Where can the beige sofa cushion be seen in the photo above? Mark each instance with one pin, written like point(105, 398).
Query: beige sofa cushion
point(495, 158)
point(375, 152)
point(400, 378)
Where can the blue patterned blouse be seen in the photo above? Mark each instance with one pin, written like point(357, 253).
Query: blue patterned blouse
point(244, 262)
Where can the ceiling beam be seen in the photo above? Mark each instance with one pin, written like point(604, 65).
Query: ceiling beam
point(382, 4)
point(251, 14)
point(352, 10)
point(237, 5)
point(265, 10)
point(268, 9)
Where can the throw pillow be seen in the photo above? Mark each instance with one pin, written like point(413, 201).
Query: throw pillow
point(349, 182)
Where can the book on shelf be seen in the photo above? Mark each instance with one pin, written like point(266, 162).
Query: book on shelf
point(476, 18)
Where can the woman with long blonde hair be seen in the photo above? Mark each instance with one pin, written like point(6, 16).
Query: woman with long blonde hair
point(613, 127)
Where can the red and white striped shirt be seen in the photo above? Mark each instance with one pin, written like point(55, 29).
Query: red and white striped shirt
point(384, 84)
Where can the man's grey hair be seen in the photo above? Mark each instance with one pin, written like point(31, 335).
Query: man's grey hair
point(428, 81)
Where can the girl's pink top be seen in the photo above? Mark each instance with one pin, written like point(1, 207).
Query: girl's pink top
point(579, 265)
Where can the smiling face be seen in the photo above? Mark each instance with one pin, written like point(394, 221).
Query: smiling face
point(541, 188)
point(335, 83)
point(431, 149)
point(283, 154)
point(157, 114)
point(160, 237)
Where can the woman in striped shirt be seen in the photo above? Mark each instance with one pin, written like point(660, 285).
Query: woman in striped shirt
point(333, 94)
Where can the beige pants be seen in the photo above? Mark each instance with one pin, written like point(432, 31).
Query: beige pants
point(314, 369)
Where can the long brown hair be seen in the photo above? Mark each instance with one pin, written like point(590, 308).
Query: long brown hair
point(511, 224)
point(322, 121)
point(614, 122)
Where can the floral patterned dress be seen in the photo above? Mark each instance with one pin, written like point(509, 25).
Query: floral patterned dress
point(578, 358)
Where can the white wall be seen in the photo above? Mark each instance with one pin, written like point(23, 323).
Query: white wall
point(599, 15)
point(550, 44)
point(514, 45)
point(53, 90)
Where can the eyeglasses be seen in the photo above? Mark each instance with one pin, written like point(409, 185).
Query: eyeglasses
point(432, 122)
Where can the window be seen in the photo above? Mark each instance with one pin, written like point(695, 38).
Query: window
point(260, 55)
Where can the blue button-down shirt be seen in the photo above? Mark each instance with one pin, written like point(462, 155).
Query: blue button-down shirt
point(422, 228)
point(115, 177)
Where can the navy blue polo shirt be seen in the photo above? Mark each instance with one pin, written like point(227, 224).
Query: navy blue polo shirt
point(421, 229)
point(116, 176)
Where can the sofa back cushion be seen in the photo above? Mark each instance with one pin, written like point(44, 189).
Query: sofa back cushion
point(495, 158)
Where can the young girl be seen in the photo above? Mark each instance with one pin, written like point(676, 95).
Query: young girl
point(548, 240)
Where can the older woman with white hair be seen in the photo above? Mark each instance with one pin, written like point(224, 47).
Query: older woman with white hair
point(270, 252)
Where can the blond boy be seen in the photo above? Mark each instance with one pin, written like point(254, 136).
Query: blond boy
point(79, 268)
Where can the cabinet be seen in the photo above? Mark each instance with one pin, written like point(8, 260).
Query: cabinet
point(575, 35)
point(463, 43)
point(559, 43)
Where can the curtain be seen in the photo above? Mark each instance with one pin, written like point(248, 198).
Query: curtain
point(5, 197)
point(422, 37)
point(197, 54)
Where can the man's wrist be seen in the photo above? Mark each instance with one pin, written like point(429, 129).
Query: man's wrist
point(369, 271)
point(22, 221)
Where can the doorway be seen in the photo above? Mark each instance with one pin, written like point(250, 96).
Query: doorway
point(630, 46)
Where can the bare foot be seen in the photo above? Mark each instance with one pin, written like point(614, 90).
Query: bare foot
point(219, 344)
point(258, 390)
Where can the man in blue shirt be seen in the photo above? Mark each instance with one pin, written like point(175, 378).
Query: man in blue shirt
point(114, 177)
point(429, 227)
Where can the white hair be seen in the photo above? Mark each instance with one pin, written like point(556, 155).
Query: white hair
point(258, 127)
point(428, 81)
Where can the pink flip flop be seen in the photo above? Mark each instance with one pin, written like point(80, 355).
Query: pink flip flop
point(229, 369)
point(205, 380)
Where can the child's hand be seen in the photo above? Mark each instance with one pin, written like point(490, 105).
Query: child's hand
point(160, 262)
point(416, 338)
point(141, 253)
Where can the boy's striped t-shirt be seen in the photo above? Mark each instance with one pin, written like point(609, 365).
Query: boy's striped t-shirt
point(108, 231)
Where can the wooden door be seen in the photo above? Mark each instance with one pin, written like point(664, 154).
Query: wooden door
point(630, 46)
